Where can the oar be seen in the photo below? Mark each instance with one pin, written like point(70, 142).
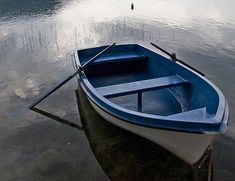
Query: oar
point(173, 57)
point(70, 77)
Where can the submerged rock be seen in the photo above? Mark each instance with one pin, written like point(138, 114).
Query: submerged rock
point(47, 160)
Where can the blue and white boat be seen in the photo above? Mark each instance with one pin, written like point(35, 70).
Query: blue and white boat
point(146, 93)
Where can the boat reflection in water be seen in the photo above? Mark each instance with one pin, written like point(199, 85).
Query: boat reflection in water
point(126, 156)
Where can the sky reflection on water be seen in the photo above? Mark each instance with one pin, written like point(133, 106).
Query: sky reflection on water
point(35, 46)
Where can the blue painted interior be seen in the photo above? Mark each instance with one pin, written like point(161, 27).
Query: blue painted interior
point(124, 64)
point(111, 72)
point(140, 86)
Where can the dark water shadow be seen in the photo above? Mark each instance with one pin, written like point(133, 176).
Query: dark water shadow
point(12, 8)
point(48, 151)
point(56, 118)
point(126, 156)
point(224, 156)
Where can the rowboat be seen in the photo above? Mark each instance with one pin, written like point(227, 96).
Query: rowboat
point(142, 91)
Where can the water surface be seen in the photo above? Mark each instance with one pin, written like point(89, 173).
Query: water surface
point(36, 38)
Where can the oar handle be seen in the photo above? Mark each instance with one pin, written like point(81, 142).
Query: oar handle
point(97, 55)
point(173, 57)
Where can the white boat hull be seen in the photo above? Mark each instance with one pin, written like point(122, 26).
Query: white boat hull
point(187, 146)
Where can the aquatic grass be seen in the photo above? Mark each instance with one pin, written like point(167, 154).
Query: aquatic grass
point(35, 38)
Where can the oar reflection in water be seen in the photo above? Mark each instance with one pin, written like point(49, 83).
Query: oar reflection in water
point(56, 118)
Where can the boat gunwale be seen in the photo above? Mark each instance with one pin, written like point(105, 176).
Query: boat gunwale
point(213, 125)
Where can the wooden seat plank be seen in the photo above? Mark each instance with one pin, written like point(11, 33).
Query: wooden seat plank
point(119, 57)
point(140, 86)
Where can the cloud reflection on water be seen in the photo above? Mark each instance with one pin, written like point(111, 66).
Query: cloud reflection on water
point(35, 47)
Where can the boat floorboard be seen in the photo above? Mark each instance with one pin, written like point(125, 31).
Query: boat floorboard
point(156, 102)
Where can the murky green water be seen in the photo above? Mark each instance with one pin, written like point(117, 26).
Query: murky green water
point(36, 38)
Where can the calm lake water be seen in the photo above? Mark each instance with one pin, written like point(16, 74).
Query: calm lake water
point(36, 39)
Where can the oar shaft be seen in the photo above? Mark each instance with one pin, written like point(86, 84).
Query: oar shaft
point(181, 61)
point(97, 55)
point(173, 57)
point(70, 77)
point(51, 91)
